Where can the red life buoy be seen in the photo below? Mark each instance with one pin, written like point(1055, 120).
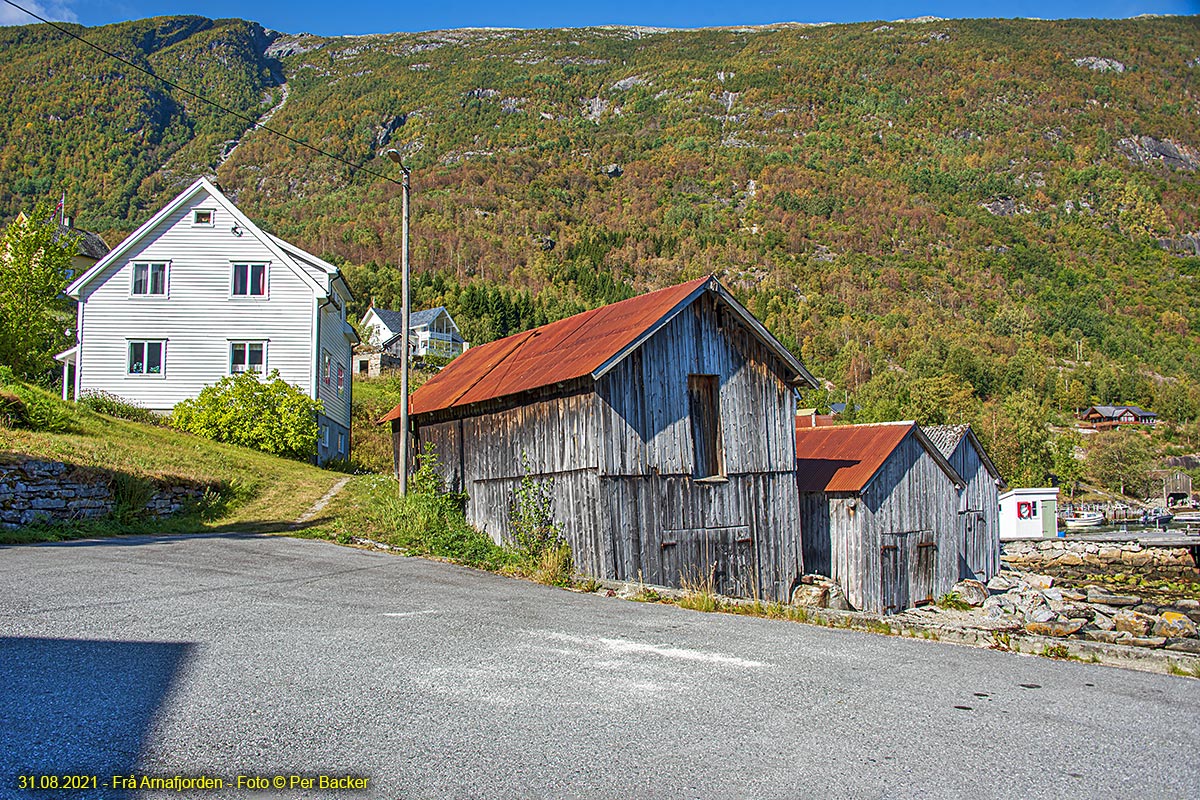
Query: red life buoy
point(1024, 510)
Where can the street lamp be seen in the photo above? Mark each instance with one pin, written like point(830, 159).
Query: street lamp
point(402, 460)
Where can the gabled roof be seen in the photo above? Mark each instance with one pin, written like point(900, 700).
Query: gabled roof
point(846, 458)
point(947, 438)
point(393, 321)
point(585, 345)
point(204, 185)
point(1116, 411)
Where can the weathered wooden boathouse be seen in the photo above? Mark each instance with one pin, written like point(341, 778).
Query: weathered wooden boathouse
point(666, 423)
point(978, 500)
point(878, 508)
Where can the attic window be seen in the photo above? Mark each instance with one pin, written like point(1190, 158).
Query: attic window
point(704, 406)
point(202, 218)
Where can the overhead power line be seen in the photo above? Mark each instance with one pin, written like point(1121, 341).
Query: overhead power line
point(254, 123)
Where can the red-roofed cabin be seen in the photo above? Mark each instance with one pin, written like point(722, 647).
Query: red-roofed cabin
point(878, 507)
point(665, 423)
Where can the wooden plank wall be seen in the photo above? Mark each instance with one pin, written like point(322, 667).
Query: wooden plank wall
point(745, 528)
point(621, 459)
point(980, 498)
point(909, 494)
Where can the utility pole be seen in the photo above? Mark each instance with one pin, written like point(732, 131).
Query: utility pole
point(402, 462)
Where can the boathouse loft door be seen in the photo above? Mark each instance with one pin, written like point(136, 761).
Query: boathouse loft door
point(907, 561)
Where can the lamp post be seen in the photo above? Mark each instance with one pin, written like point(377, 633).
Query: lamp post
point(402, 461)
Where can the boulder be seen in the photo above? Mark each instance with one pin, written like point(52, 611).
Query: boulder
point(838, 600)
point(1184, 645)
point(1098, 595)
point(1039, 581)
point(1072, 596)
point(1146, 608)
point(1145, 641)
point(1187, 604)
point(1000, 584)
point(811, 595)
point(1076, 611)
point(971, 592)
point(1069, 560)
point(1101, 622)
point(1132, 622)
point(1174, 625)
point(1108, 637)
point(1139, 559)
point(1040, 614)
point(1057, 628)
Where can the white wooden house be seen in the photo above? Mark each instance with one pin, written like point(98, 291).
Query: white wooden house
point(199, 292)
point(431, 332)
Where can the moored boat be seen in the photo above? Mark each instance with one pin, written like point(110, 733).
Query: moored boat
point(1084, 519)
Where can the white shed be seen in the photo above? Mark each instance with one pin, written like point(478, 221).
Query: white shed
point(1029, 514)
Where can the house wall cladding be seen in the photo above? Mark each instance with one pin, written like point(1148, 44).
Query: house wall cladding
point(911, 505)
point(620, 453)
point(979, 510)
point(35, 490)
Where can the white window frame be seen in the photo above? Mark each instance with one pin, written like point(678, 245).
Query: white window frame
point(249, 265)
point(325, 435)
point(212, 217)
point(341, 440)
point(149, 265)
point(162, 359)
point(247, 343)
point(326, 366)
point(340, 380)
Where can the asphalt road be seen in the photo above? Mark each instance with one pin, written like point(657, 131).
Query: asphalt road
point(254, 656)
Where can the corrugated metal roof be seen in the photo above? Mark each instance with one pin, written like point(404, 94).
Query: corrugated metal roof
point(844, 458)
point(555, 353)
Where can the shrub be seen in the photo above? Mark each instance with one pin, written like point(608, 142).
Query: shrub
point(535, 539)
point(266, 414)
point(112, 405)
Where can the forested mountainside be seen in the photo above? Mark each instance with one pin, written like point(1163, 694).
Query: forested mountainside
point(933, 214)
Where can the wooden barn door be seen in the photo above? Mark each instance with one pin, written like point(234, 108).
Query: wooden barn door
point(907, 568)
point(894, 573)
point(926, 565)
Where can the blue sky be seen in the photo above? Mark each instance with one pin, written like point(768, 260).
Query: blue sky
point(296, 16)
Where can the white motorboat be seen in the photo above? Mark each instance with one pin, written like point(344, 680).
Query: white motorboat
point(1084, 519)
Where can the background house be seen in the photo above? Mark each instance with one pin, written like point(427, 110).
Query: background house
point(665, 423)
point(199, 292)
point(432, 332)
point(1115, 416)
point(878, 513)
point(978, 500)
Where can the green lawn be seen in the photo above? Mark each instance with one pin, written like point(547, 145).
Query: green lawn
point(260, 492)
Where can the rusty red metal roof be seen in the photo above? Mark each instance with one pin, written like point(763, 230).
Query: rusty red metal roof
point(844, 458)
point(555, 353)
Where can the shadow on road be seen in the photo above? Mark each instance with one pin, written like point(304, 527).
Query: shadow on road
point(80, 707)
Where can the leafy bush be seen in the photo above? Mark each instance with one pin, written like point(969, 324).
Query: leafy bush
point(113, 405)
point(534, 537)
point(267, 414)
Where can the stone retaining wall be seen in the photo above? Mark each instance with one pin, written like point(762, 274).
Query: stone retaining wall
point(1060, 555)
point(35, 490)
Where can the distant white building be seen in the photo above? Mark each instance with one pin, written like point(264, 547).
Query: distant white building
point(200, 292)
point(1029, 514)
point(431, 332)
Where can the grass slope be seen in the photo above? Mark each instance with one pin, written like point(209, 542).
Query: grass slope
point(264, 493)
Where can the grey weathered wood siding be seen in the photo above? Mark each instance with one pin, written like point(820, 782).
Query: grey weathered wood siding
point(910, 501)
point(620, 454)
point(979, 513)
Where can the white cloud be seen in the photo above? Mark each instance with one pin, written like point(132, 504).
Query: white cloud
point(56, 12)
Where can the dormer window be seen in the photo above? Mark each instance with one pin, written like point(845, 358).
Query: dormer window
point(202, 218)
